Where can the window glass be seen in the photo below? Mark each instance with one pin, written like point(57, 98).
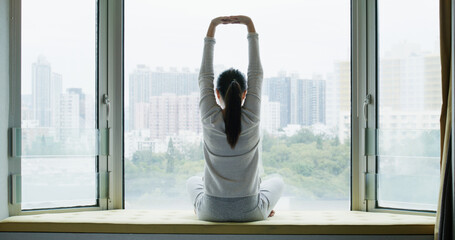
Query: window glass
point(409, 104)
point(58, 68)
point(305, 52)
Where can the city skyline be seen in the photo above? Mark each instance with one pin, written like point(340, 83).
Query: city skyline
point(49, 106)
point(290, 101)
point(424, 62)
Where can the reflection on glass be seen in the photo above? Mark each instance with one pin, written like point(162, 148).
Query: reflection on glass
point(58, 69)
point(306, 97)
point(409, 105)
point(408, 188)
point(408, 143)
point(58, 182)
point(53, 142)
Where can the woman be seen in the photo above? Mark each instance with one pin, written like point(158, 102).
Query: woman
point(231, 189)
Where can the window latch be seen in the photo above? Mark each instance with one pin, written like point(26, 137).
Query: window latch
point(107, 101)
point(368, 100)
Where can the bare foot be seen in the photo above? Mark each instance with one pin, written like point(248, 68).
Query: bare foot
point(272, 213)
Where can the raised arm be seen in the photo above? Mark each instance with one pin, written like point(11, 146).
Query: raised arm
point(207, 101)
point(255, 73)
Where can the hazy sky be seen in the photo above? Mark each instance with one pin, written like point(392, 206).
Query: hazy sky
point(63, 32)
point(302, 36)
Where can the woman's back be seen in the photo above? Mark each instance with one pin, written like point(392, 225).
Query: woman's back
point(231, 189)
point(231, 172)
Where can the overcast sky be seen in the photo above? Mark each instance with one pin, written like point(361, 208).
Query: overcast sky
point(301, 36)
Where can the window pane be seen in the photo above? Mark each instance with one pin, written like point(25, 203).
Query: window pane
point(306, 97)
point(409, 104)
point(58, 103)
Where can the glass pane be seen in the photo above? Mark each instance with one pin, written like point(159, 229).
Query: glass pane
point(409, 104)
point(306, 97)
point(59, 81)
point(58, 182)
point(56, 142)
point(408, 143)
point(401, 188)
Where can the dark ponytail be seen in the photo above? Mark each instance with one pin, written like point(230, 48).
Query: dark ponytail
point(231, 84)
point(232, 113)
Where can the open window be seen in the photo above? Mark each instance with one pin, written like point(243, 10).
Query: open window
point(402, 106)
point(58, 145)
point(105, 102)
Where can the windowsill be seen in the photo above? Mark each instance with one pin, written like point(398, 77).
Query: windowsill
point(185, 222)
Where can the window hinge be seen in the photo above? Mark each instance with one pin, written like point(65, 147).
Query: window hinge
point(104, 142)
point(103, 179)
point(15, 182)
point(370, 185)
point(370, 142)
point(109, 192)
point(14, 138)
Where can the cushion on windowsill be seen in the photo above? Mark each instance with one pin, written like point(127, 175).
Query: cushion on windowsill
point(185, 222)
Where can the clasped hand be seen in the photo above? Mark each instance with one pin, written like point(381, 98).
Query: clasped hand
point(232, 20)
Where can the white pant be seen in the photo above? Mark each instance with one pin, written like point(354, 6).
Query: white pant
point(242, 209)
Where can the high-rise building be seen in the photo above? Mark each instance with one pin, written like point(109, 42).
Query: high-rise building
point(294, 103)
point(27, 113)
point(46, 90)
point(141, 118)
point(332, 101)
point(86, 108)
point(189, 117)
point(338, 109)
point(270, 115)
point(310, 102)
point(163, 116)
point(409, 79)
point(69, 110)
point(432, 86)
point(279, 90)
point(400, 81)
point(173, 81)
point(343, 84)
point(409, 89)
point(300, 101)
point(139, 92)
point(145, 83)
point(170, 114)
point(410, 92)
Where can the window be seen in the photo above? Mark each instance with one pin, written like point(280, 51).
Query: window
point(58, 131)
point(109, 101)
point(409, 104)
point(306, 97)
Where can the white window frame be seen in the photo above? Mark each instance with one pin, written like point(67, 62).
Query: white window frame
point(364, 51)
point(363, 77)
point(110, 55)
point(111, 82)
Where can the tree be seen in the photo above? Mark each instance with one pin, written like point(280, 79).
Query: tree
point(170, 156)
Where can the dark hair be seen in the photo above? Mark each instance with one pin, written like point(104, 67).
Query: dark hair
point(231, 84)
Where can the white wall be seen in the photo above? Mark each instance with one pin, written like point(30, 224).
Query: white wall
point(4, 105)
